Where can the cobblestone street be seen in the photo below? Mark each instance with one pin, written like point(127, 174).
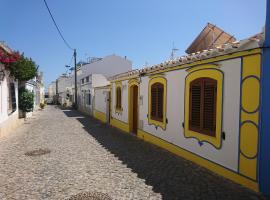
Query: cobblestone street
point(83, 155)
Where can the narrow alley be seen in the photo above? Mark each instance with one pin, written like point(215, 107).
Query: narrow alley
point(60, 154)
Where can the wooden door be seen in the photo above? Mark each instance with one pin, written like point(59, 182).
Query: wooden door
point(135, 109)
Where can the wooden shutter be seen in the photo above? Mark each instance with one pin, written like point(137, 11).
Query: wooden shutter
point(209, 106)
point(195, 105)
point(160, 102)
point(202, 113)
point(118, 98)
point(157, 95)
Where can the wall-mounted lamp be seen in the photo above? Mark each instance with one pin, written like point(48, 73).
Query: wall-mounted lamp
point(2, 75)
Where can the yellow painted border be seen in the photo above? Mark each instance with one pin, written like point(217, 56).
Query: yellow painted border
point(131, 83)
point(210, 60)
point(100, 116)
point(218, 76)
point(118, 85)
point(198, 160)
point(197, 63)
point(250, 112)
point(153, 80)
point(119, 124)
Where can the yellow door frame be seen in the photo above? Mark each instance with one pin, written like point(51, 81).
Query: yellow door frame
point(132, 83)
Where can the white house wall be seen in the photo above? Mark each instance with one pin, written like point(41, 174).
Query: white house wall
point(101, 100)
point(226, 156)
point(123, 116)
point(108, 66)
point(99, 80)
point(4, 100)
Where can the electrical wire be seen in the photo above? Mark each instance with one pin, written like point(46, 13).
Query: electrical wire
point(57, 26)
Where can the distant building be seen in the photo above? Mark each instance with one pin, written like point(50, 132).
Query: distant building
point(95, 74)
point(90, 74)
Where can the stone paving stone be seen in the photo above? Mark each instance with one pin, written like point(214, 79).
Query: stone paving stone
point(87, 156)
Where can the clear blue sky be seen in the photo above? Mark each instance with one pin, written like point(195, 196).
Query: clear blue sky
point(142, 30)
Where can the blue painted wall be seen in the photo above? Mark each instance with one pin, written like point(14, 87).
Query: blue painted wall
point(264, 164)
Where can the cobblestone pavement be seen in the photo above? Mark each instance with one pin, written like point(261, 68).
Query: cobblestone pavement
point(83, 155)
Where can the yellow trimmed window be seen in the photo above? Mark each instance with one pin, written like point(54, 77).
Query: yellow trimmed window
point(203, 106)
point(157, 102)
point(118, 97)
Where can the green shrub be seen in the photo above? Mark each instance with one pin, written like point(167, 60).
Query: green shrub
point(23, 69)
point(26, 100)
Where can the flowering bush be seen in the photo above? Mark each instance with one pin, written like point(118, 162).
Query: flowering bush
point(23, 69)
point(7, 58)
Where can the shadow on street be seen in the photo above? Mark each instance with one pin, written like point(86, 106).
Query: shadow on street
point(171, 176)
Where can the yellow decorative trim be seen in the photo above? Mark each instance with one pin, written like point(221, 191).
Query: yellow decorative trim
point(249, 133)
point(208, 66)
point(209, 60)
point(198, 160)
point(119, 124)
point(132, 83)
point(153, 80)
point(118, 85)
point(100, 116)
point(194, 64)
point(218, 76)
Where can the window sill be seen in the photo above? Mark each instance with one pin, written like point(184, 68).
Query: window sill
point(201, 137)
point(119, 110)
point(156, 123)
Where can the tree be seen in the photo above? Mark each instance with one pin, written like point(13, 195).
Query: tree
point(26, 100)
point(23, 69)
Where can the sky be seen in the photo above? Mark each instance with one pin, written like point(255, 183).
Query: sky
point(142, 30)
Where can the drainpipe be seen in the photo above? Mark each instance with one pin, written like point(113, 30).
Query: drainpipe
point(264, 156)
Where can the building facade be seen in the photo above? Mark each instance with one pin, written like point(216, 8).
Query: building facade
point(204, 106)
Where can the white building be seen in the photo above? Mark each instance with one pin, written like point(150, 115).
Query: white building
point(8, 98)
point(52, 89)
point(95, 74)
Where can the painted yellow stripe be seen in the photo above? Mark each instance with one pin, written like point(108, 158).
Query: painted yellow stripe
point(120, 125)
point(100, 116)
point(198, 160)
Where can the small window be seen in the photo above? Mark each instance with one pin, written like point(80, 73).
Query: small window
point(82, 80)
point(87, 79)
point(202, 113)
point(118, 105)
point(157, 90)
point(12, 97)
point(157, 93)
point(88, 98)
point(203, 105)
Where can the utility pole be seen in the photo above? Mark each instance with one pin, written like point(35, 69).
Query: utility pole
point(75, 67)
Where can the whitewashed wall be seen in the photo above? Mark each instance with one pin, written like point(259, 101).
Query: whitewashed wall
point(123, 116)
point(4, 104)
point(228, 154)
point(100, 103)
point(108, 66)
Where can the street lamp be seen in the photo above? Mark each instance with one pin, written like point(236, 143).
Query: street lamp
point(2, 75)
